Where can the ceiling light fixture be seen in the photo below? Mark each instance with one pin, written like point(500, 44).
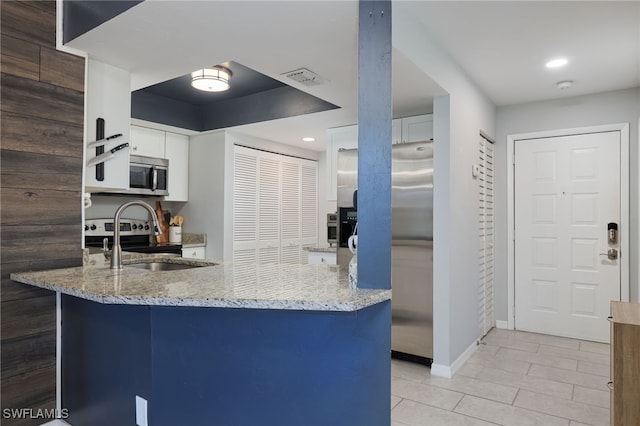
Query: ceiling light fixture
point(557, 63)
point(213, 79)
point(308, 139)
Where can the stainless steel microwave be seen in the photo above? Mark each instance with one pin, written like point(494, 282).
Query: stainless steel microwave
point(148, 176)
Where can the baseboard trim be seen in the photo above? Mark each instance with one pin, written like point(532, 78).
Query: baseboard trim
point(448, 371)
point(502, 324)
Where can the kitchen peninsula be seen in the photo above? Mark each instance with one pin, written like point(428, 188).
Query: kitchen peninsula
point(227, 344)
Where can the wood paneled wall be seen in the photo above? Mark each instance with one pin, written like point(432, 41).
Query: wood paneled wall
point(41, 129)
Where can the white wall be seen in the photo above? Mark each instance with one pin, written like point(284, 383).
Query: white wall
point(621, 106)
point(204, 213)
point(455, 192)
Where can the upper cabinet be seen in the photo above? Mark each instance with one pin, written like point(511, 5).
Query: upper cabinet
point(403, 130)
point(108, 112)
point(147, 142)
point(172, 146)
point(176, 149)
point(412, 129)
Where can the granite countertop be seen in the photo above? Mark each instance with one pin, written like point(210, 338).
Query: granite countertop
point(321, 249)
point(217, 284)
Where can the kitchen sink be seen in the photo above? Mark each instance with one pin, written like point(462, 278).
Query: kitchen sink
point(169, 264)
point(162, 266)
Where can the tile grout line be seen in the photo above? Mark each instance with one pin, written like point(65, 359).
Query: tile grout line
point(515, 397)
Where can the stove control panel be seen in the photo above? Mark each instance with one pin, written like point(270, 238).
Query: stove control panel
point(105, 227)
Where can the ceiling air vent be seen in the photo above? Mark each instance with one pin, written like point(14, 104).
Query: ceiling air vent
point(305, 76)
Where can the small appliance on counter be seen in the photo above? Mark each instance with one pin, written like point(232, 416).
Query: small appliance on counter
point(136, 236)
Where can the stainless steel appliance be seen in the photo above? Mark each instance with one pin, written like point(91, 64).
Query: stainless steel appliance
point(412, 239)
point(332, 228)
point(135, 236)
point(148, 176)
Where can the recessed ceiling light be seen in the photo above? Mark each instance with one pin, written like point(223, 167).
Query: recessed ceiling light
point(556, 63)
point(308, 139)
point(564, 85)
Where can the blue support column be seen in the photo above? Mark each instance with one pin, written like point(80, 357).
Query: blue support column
point(374, 144)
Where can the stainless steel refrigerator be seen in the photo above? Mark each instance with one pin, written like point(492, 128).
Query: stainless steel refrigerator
point(412, 241)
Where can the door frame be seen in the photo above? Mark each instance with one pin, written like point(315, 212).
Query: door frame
point(623, 128)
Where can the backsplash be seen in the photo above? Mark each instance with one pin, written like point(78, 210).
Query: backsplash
point(104, 206)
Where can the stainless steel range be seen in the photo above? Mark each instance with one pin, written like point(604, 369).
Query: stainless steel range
point(136, 235)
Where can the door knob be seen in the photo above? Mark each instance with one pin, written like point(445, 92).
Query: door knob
point(612, 254)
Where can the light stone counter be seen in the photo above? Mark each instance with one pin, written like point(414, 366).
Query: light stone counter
point(321, 249)
point(272, 286)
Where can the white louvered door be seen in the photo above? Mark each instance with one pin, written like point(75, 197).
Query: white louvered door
point(486, 232)
point(291, 220)
point(275, 207)
point(309, 204)
point(268, 208)
point(245, 206)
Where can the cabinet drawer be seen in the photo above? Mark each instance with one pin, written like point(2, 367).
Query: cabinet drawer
point(321, 257)
point(193, 253)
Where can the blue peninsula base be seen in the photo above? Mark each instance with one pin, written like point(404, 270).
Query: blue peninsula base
point(225, 366)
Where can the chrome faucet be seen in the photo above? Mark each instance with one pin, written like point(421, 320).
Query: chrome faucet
point(116, 251)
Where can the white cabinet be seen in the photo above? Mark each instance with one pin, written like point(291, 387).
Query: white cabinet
point(321, 257)
point(176, 150)
point(172, 146)
point(396, 131)
point(108, 96)
point(147, 142)
point(412, 129)
point(193, 253)
point(338, 138)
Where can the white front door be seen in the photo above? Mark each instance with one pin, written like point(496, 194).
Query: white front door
point(567, 191)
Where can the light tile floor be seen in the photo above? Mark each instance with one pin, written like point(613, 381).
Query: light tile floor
point(514, 378)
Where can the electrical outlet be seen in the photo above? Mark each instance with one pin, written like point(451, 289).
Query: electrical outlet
point(141, 411)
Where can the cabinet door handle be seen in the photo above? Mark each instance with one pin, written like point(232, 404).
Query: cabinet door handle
point(154, 178)
point(610, 318)
point(610, 384)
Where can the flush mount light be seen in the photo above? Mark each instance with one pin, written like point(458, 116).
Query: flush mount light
point(557, 63)
point(308, 139)
point(213, 79)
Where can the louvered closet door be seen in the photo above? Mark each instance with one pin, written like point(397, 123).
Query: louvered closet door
point(486, 232)
point(275, 209)
point(309, 200)
point(268, 208)
point(291, 212)
point(245, 206)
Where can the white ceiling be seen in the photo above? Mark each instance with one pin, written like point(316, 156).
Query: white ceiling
point(502, 46)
